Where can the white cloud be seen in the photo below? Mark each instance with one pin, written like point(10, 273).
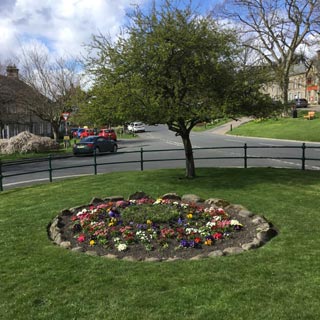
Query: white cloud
point(62, 25)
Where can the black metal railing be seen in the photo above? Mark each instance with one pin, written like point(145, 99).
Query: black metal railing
point(142, 159)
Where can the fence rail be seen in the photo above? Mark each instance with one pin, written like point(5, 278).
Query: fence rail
point(141, 161)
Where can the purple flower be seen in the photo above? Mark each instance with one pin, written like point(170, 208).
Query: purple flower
point(184, 243)
point(112, 214)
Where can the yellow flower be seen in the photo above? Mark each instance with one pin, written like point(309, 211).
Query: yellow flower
point(92, 243)
point(149, 222)
point(189, 216)
point(208, 242)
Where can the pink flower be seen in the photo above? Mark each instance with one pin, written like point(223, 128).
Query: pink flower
point(81, 238)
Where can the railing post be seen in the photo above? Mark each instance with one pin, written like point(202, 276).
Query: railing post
point(1, 177)
point(303, 156)
point(50, 167)
point(95, 161)
point(141, 159)
point(245, 156)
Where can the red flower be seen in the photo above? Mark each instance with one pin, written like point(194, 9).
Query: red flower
point(217, 235)
point(197, 240)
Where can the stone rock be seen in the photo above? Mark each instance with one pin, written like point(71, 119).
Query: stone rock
point(77, 249)
point(54, 222)
point(65, 212)
point(198, 257)
point(77, 209)
point(219, 203)
point(110, 256)
point(263, 227)
point(57, 239)
point(152, 259)
point(95, 201)
point(245, 214)
point(113, 198)
point(265, 236)
point(171, 196)
point(129, 258)
point(91, 253)
point(259, 220)
point(235, 208)
point(138, 195)
point(233, 250)
point(192, 198)
point(173, 259)
point(65, 244)
point(249, 246)
point(215, 253)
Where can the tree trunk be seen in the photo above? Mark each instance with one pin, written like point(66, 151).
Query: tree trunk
point(190, 168)
point(285, 87)
point(55, 131)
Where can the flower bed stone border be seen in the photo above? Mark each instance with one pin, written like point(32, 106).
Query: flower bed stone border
point(264, 229)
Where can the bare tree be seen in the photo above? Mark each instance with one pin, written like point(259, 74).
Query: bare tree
point(56, 81)
point(276, 30)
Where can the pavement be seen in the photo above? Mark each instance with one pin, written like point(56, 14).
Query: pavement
point(223, 129)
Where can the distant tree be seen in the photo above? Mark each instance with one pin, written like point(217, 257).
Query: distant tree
point(171, 66)
point(56, 81)
point(276, 30)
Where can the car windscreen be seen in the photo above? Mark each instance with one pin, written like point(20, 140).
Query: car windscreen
point(88, 139)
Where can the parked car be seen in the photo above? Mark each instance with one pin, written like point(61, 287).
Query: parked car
point(301, 103)
point(108, 133)
point(92, 144)
point(86, 133)
point(136, 127)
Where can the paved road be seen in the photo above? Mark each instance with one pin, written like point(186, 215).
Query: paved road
point(158, 138)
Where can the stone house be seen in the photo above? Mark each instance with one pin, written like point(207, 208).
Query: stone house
point(16, 97)
point(304, 82)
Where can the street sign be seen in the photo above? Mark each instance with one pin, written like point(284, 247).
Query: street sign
point(66, 115)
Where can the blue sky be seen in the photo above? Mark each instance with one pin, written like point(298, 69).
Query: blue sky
point(62, 26)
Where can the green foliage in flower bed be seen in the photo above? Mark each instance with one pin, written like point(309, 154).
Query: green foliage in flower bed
point(157, 214)
point(280, 280)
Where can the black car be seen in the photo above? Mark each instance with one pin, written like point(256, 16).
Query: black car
point(92, 144)
point(301, 103)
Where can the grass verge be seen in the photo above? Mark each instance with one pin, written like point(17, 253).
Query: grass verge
point(282, 128)
point(280, 280)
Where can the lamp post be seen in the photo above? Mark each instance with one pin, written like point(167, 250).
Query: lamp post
point(66, 138)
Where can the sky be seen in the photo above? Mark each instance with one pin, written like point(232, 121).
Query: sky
point(62, 26)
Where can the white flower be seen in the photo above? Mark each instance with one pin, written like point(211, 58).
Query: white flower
point(211, 224)
point(235, 223)
point(190, 230)
point(122, 247)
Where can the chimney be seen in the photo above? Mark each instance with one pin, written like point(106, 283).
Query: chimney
point(12, 72)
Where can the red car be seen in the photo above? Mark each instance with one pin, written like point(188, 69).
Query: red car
point(86, 133)
point(108, 133)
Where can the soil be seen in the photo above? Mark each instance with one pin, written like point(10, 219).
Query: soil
point(173, 251)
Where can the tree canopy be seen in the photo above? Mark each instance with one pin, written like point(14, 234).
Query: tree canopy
point(276, 30)
point(170, 66)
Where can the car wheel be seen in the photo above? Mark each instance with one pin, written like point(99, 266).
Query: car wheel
point(115, 148)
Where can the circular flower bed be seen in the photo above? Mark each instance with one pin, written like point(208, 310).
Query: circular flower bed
point(166, 228)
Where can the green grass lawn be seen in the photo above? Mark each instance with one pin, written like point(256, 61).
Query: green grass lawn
point(280, 280)
point(282, 128)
